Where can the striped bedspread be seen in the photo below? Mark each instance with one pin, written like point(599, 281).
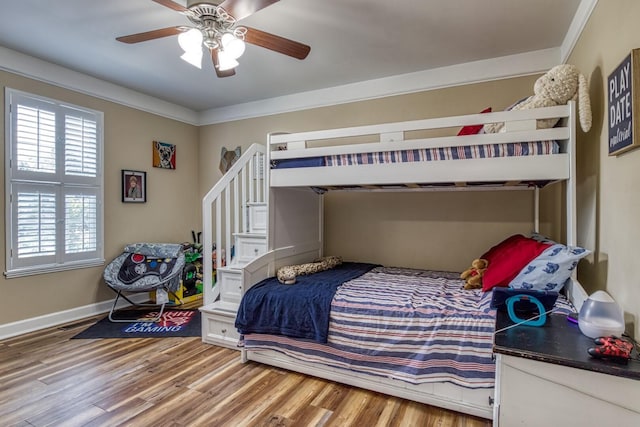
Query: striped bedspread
point(515, 149)
point(414, 325)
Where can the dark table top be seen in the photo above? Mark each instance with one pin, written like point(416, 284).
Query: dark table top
point(558, 341)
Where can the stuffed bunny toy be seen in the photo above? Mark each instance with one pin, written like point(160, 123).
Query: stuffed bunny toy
point(558, 86)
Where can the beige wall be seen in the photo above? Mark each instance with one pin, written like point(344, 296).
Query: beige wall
point(171, 212)
point(393, 228)
point(608, 188)
point(430, 230)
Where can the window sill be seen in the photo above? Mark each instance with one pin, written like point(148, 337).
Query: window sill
point(52, 268)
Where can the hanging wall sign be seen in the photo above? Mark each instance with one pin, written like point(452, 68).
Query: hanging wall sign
point(624, 104)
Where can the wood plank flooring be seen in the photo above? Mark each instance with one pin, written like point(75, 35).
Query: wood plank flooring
point(47, 379)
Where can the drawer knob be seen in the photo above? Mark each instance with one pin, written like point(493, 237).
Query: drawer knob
point(224, 331)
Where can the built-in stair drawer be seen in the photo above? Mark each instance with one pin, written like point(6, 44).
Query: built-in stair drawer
point(258, 218)
point(250, 246)
point(230, 281)
point(218, 328)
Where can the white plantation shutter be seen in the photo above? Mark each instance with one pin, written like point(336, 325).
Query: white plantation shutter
point(36, 140)
point(81, 147)
point(36, 221)
point(81, 223)
point(54, 185)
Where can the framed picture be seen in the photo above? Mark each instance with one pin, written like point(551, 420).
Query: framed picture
point(134, 186)
point(164, 155)
point(623, 86)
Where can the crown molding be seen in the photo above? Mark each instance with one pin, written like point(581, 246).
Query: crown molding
point(455, 75)
point(585, 8)
point(37, 69)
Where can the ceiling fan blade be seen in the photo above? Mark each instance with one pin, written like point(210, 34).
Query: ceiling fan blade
point(240, 9)
point(150, 35)
point(276, 43)
point(172, 5)
point(216, 62)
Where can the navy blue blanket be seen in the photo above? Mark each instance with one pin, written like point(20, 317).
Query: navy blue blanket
point(300, 310)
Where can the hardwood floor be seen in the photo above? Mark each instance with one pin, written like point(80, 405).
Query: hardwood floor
point(48, 379)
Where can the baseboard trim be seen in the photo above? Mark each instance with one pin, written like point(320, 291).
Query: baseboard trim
point(20, 327)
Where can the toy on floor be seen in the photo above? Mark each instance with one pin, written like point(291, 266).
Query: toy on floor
point(472, 276)
point(287, 274)
point(558, 86)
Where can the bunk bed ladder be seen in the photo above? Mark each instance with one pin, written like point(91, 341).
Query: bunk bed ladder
point(234, 214)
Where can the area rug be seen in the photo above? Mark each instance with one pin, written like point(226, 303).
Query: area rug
point(174, 323)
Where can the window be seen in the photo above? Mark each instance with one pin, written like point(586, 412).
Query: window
point(53, 176)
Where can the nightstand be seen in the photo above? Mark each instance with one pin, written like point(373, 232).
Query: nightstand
point(545, 377)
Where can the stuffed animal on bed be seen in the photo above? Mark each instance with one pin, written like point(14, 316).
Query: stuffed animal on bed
point(287, 274)
point(558, 86)
point(472, 276)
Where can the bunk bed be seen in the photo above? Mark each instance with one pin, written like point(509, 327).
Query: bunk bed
point(412, 156)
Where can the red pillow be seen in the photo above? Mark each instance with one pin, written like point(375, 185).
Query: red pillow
point(508, 258)
point(473, 129)
point(504, 245)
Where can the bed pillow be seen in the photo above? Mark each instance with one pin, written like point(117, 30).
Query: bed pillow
point(550, 270)
point(473, 129)
point(508, 258)
point(542, 238)
point(502, 246)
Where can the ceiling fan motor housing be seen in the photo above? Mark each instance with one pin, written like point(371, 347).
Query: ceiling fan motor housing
point(213, 22)
point(191, 3)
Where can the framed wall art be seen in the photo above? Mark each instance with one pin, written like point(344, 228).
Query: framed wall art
point(164, 155)
point(228, 158)
point(134, 186)
point(623, 87)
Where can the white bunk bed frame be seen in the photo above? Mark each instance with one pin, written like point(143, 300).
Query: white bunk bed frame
point(295, 212)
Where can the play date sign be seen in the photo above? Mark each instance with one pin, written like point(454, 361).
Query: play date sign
point(621, 103)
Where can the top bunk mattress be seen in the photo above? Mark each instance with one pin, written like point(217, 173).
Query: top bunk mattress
point(515, 149)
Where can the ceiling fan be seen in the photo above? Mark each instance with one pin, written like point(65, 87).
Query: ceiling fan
point(215, 28)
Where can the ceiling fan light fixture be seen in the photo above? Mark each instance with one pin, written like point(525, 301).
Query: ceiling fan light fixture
point(233, 45)
point(226, 61)
point(214, 30)
point(191, 41)
point(193, 57)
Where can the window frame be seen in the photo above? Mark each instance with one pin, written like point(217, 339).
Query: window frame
point(59, 183)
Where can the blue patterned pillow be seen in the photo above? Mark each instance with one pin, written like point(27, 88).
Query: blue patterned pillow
point(550, 270)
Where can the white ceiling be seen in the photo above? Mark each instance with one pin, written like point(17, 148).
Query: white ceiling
point(353, 42)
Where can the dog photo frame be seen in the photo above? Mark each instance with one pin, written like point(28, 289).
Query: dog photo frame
point(164, 155)
point(134, 186)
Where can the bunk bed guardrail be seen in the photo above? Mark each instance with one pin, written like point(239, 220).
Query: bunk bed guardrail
point(426, 134)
